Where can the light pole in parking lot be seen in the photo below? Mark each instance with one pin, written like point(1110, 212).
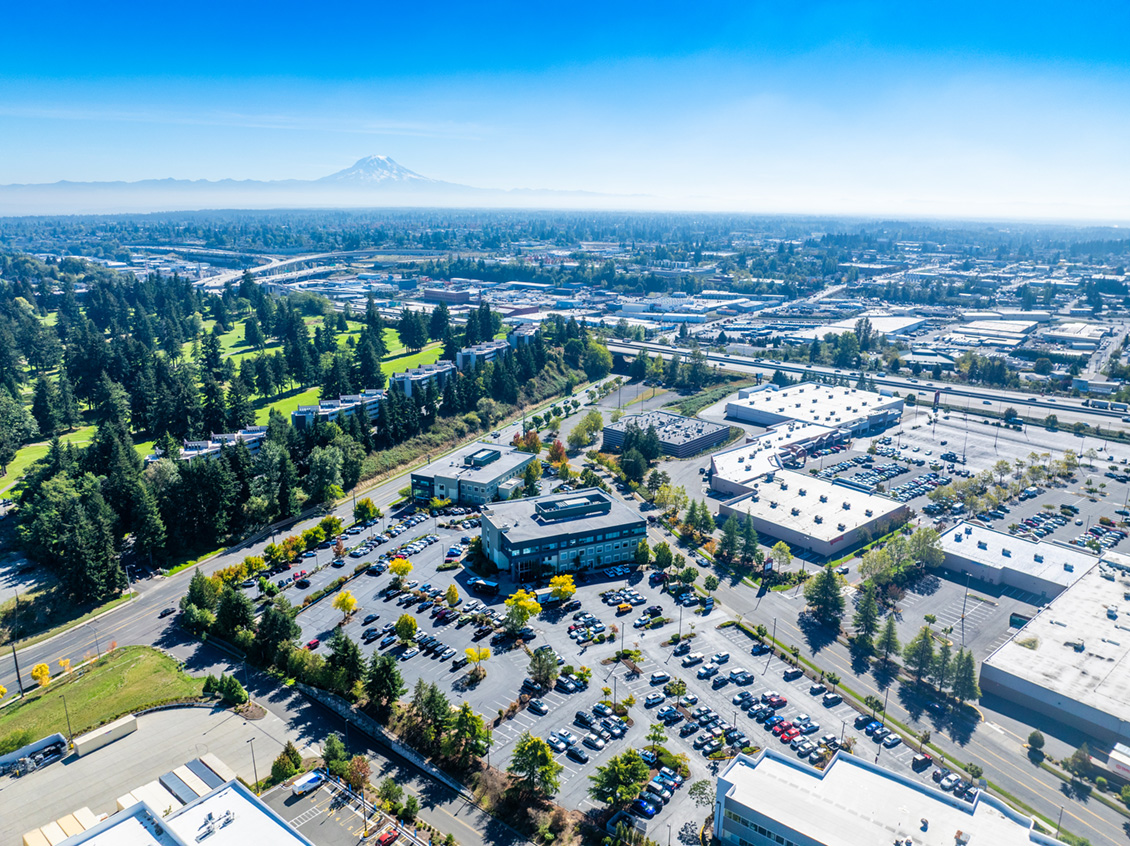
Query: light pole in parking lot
point(964, 600)
point(254, 766)
point(668, 834)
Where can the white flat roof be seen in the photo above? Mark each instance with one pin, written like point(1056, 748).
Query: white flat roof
point(748, 461)
point(250, 820)
point(813, 403)
point(1098, 674)
point(854, 802)
point(789, 492)
point(1003, 551)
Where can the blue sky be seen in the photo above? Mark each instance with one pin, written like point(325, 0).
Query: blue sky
point(988, 109)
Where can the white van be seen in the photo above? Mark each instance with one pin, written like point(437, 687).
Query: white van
point(306, 783)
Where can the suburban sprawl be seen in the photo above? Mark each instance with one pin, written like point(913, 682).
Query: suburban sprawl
point(576, 528)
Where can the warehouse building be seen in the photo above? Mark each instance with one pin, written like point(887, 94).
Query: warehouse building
point(733, 471)
point(825, 518)
point(366, 404)
point(998, 558)
point(1071, 662)
point(679, 436)
point(773, 799)
point(471, 475)
point(856, 410)
point(560, 533)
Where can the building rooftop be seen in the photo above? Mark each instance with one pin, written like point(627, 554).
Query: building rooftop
point(588, 509)
point(230, 815)
point(477, 463)
point(1077, 646)
point(671, 428)
point(854, 802)
point(1000, 550)
point(811, 506)
point(821, 404)
point(746, 462)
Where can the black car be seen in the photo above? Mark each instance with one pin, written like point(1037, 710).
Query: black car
point(584, 718)
point(578, 754)
point(688, 729)
point(571, 605)
point(370, 618)
point(370, 635)
point(166, 612)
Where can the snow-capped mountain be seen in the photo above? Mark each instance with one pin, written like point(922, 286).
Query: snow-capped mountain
point(374, 181)
point(376, 170)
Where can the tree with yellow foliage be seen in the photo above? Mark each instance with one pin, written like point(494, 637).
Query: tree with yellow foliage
point(477, 655)
point(562, 587)
point(42, 674)
point(400, 568)
point(346, 603)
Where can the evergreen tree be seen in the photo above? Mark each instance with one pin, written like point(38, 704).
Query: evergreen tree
point(234, 611)
point(215, 410)
point(942, 670)
point(240, 412)
point(888, 644)
point(383, 682)
point(345, 662)
point(964, 685)
point(367, 371)
point(749, 541)
point(866, 619)
point(823, 594)
point(439, 322)
point(730, 539)
point(148, 527)
point(68, 413)
point(253, 334)
point(44, 406)
point(919, 653)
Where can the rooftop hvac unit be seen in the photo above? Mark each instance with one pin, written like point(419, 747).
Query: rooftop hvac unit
point(868, 512)
point(1038, 558)
point(823, 498)
point(1007, 553)
point(957, 538)
point(795, 512)
point(818, 519)
point(847, 506)
point(982, 545)
point(802, 492)
point(841, 526)
point(968, 530)
point(772, 504)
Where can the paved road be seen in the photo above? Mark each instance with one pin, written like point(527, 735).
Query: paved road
point(952, 394)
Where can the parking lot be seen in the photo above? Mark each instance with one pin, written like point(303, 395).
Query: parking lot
point(328, 815)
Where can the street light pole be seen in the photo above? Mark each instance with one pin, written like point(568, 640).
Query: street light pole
point(254, 766)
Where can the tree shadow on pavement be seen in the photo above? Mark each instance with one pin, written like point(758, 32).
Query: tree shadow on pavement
point(816, 634)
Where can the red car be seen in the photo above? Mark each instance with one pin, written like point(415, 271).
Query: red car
point(787, 736)
point(776, 702)
point(313, 644)
point(781, 728)
point(388, 837)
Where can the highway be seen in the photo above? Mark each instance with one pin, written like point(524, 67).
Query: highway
point(950, 392)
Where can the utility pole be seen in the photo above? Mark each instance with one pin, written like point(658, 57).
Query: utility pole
point(19, 681)
point(67, 711)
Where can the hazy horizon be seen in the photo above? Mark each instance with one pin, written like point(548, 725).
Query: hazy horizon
point(990, 111)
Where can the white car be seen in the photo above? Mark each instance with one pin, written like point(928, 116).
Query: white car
point(720, 658)
point(653, 699)
point(411, 653)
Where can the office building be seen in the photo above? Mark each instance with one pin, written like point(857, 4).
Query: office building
point(366, 404)
point(418, 378)
point(679, 436)
point(774, 799)
point(560, 533)
point(522, 334)
point(470, 476)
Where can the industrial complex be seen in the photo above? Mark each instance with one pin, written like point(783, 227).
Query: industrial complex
point(855, 410)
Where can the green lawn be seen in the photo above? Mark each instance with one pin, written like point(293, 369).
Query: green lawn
point(34, 452)
point(127, 680)
point(285, 405)
point(406, 361)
